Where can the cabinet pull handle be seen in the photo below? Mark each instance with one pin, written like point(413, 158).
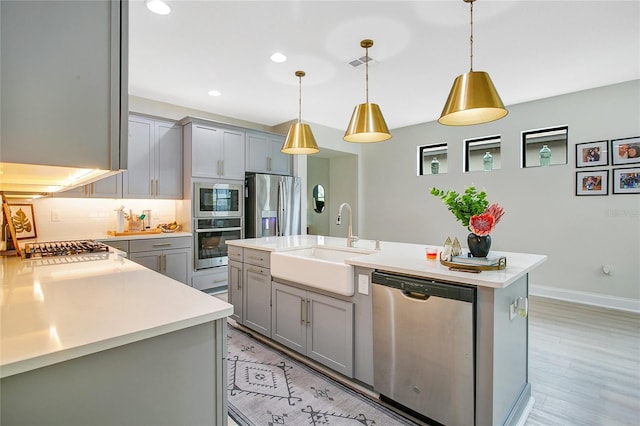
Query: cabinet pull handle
point(238, 278)
point(301, 309)
point(151, 187)
point(161, 244)
point(92, 189)
point(222, 162)
point(269, 163)
point(156, 187)
point(218, 172)
point(257, 271)
point(308, 306)
point(256, 258)
point(219, 281)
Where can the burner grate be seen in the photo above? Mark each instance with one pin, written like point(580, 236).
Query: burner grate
point(63, 248)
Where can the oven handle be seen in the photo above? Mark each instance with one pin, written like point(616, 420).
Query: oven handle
point(218, 230)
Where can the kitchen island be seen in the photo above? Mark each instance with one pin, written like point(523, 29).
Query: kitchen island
point(501, 393)
point(98, 339)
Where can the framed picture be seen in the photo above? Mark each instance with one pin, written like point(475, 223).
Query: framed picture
point(23, 220)
point(626, 181)
point(592, 154)
point(592, 182)
point(625, 151)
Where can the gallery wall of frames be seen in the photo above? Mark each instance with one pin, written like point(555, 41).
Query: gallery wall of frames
point(615, 160)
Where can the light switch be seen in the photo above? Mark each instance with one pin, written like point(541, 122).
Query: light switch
point(363, 284)
point(55, 215)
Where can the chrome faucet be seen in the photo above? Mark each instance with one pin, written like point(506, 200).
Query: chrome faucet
point(351, 239)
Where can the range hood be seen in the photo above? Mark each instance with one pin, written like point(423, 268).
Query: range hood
point(35, 179)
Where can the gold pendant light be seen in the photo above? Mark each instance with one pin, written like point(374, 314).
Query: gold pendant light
point(473, 98)
point(367, 123)
point(300, 140)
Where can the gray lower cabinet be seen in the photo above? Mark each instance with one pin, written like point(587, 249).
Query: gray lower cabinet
point(169, 256)
point(315, 325)
point(257, 298)
point(234, 294)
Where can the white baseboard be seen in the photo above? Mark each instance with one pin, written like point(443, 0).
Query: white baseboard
point(594, 299)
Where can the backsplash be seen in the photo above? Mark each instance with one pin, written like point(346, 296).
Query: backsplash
point(74, 218)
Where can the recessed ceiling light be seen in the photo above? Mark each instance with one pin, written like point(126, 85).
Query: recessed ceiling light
point(214, 93)
point(158, 6)
point(278, 57)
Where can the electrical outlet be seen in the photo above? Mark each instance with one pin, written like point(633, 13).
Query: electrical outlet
point(55, 215)
point(512, 311)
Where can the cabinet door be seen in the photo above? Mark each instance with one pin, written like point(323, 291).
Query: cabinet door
point(235, 290)
point(61, 68)
point(148, 259)
point(279, 163)
point(168, 161)
point(138, 179)
point(257, 299)
point(233, 154)
point(289, 316)
point(110, 187)
point(175, 264)
point(257, 153)
point(330, 333)
point(206, 151)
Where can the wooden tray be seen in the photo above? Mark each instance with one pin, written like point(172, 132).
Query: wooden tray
point(125, 233)
point(502, 264)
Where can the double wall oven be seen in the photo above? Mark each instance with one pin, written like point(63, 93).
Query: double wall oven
point(218, 212)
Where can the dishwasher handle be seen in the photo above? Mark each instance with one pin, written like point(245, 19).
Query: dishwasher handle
point(414, 295)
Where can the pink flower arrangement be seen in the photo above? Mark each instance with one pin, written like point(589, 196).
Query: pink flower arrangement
point(482, 224)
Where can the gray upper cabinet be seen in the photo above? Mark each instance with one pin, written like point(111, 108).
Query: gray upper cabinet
point(110, 187)
point(64, 83)
point(264, 156)
point(215, 151)
point(155, 159)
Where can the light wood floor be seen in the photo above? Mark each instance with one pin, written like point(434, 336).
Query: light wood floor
point(584, 365)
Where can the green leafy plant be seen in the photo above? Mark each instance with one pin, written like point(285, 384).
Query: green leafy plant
point(465, 205)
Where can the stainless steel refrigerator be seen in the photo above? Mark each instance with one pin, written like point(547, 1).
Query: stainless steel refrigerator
point(272, 205)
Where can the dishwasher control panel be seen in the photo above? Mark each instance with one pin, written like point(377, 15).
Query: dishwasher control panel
point(424, 286)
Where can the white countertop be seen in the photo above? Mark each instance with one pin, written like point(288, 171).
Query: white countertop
point(405, 258)
point(55, 309)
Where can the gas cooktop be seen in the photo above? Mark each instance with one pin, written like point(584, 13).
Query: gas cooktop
point(63, 248)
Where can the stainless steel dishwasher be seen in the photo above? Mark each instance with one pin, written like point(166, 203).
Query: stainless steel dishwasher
point(423, 342)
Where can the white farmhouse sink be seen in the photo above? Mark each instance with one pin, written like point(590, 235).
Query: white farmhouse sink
point(321, 267)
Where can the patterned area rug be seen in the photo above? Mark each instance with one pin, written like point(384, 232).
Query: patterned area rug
point(269, 388)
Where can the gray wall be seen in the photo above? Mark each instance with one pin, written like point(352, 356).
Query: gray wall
point(543, 215)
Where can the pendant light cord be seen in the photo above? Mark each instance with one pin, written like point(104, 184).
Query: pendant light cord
point(300, 100)
point(471, 38)
point(366, 67)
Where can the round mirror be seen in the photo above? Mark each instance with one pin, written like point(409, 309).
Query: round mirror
point(318, 198)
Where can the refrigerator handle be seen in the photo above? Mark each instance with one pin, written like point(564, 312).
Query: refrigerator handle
point(278, 209)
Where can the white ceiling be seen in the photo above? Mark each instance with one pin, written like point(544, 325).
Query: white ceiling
point(532, 49)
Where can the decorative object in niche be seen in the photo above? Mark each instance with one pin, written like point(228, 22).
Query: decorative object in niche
point(592, 182)
point(472, 209)
point(625, 151)
point(626, 181)
point(533, 142)
point(487, 162)
point(435, 166)
point(590, 154)
point(545, 156)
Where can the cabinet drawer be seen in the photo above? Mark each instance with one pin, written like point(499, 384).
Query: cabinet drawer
point(159, 244)
point(205, 282)
point(257, 257)
point(235, 253)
